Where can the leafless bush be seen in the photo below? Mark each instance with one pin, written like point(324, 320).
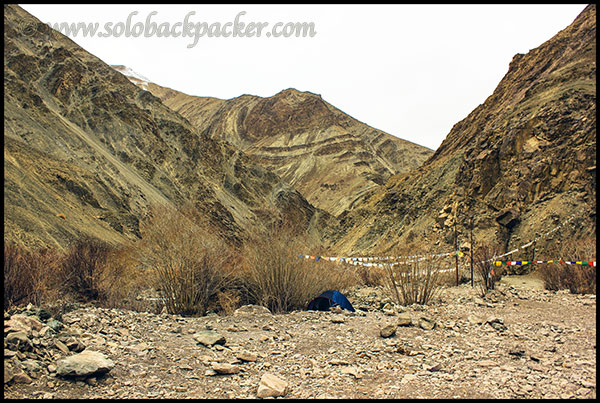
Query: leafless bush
point(122, 280)
point(414, 282)
point(578, 279)
point(483, 266)
point(83, 267)
point(192, 265)
point(275, 277)
point(370, 276)
point(29, 274)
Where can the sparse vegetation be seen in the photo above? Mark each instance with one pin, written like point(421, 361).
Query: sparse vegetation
point(578, 279)
point(483, 266)
point(83, 268)
point(29, 275)
point(277, 278)
point(192, 266)
point(416, 281)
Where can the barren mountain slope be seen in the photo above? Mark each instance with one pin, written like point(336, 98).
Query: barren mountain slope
point(86, 151)
point(331, 158)
point(521, 163)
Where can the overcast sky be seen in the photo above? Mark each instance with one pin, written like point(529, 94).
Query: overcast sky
point(410, 70)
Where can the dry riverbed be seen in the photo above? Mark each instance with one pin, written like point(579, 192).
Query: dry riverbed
point(520, 342)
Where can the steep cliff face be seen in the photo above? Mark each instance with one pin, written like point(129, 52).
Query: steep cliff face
point(331, 158)
point(520, 163)
point(86, 151)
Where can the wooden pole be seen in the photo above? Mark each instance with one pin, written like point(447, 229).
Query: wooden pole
point(471, 248)
point(455, 247)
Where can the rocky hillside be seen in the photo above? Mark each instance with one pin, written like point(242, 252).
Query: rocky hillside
point(86, 151)
point(331, 158)
point(521, 163)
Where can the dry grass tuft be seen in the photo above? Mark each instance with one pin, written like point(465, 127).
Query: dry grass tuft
point(578, 279)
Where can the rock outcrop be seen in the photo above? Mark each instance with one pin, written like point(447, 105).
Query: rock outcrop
point(521, 163)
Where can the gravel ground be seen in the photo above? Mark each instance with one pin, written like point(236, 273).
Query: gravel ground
point(520, 342)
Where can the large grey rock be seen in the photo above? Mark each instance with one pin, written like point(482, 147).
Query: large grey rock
point(209, 338)
point(86, 363)
point(19, 322)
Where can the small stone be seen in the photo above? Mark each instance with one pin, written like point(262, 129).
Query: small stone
point(246, 356)
point(271, 386)
point(426, 323)
point(252, 310)
point(19, 341)
point(61, 346)
point(433, 368)
point(404, 319)
point(387, 331)
point(355, 372)
point(337, 319)
point(224, 368)
point(21, 377)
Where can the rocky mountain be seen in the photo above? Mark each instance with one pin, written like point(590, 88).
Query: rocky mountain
point(86, 151)
point(521, 163)
point(333, 159)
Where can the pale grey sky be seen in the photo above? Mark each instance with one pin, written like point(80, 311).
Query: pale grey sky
point(410, 70)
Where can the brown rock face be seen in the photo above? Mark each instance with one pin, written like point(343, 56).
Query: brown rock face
point(86, 151)
point(331, 158)
point(520, 163)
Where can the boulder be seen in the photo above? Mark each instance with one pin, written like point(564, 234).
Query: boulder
point(209, 338)
point(19, 322)
point(86, 363)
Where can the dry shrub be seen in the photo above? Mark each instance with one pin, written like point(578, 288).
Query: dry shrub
point(30, 276)
point(83, 267)
point(484, 255)
point(191, 264)
point(122, 280)
point(578, 279)
point(370, 276)
point(415, 281)
point(275, 277)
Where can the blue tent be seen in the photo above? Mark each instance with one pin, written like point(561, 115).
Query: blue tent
point(328, 299)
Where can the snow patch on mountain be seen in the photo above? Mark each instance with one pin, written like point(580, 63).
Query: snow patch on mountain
point(133, 76)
